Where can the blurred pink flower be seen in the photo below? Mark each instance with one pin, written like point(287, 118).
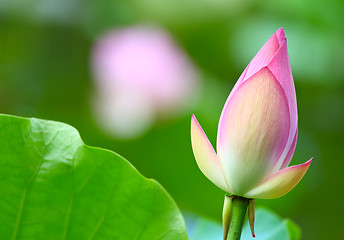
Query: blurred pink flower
point(141, 65)
point(257, 131)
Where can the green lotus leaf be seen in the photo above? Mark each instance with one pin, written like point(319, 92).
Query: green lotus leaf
point(54, 187)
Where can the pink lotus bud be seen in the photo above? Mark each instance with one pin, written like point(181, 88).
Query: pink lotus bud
point(257, 130)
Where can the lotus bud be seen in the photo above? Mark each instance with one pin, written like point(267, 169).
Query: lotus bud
point(257, 130)
point(256, 137)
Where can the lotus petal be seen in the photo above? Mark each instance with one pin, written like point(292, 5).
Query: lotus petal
point(280, 183)
point(290, 153)
point(252, 131)
point(206, 157)
point(280, 67)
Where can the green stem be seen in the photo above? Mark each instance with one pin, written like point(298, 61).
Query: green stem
point(238, 212)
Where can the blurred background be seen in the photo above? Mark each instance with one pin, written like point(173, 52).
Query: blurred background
point(128, 74)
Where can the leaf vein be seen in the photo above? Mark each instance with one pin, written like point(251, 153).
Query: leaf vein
point(22, 202)
point(105, 215)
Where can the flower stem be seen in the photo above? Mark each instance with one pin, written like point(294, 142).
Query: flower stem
point(238, 212)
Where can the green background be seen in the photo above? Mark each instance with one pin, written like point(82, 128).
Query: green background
point(45, 72)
